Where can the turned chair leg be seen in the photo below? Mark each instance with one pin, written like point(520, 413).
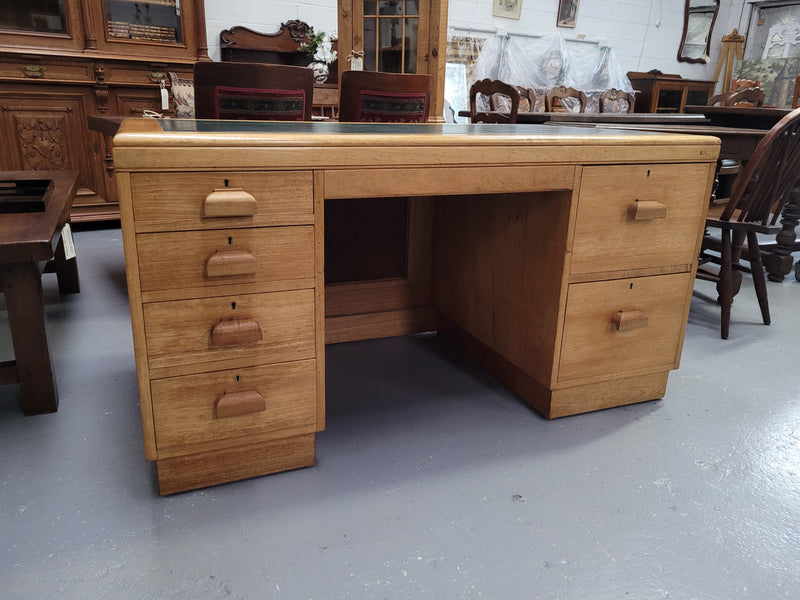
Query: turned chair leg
point(759, 279)
point(724, 285)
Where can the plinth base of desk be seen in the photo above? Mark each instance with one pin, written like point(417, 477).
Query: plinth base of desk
point(182, 473)
point(565, 400)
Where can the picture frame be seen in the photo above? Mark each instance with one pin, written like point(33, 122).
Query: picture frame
point(567, 15)
point(508, 9)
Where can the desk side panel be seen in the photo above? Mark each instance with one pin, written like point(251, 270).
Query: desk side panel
point(123, 180)
point(499, 272)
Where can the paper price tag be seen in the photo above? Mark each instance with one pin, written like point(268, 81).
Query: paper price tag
point(164, 98)
point(66, 239)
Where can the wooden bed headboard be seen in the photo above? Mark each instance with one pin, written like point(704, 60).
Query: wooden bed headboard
point(240, 44)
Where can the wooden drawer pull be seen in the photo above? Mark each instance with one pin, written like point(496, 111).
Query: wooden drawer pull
point(229, 202)
point(234, 332)
point(647, 210)
point(628, 320)
point(231, 262)
point(240, 403)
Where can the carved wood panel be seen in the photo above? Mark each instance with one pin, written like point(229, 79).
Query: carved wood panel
point(49, 132)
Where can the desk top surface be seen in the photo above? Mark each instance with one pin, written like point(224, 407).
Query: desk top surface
point(29, 236)
point(379, 133)
point(161, 143)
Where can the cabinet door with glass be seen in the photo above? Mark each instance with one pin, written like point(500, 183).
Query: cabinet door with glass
point(391, 35)
point(396, 36)
point(149, 28)
point(55, 24)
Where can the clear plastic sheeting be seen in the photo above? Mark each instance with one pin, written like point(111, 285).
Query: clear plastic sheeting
point(539, 64)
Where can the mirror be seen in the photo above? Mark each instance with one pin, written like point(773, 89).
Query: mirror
point(698, 22)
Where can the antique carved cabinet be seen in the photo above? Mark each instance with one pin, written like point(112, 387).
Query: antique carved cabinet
point(63, 60)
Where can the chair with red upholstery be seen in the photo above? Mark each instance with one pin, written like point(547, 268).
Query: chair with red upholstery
point(252, 91)
point(371, 96)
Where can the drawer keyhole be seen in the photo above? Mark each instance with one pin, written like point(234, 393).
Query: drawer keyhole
point(230, 241)
point(233, 304)
point(227, 182)
point(237, 379)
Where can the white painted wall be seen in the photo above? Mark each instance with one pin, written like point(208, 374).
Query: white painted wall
point(644, 33)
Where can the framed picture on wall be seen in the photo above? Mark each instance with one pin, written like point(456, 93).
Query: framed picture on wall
point(567, 13)
point(510, 9)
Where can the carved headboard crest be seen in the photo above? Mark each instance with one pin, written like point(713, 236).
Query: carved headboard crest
point(242, 37)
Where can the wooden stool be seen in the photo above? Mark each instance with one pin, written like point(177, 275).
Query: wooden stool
point(34, 206)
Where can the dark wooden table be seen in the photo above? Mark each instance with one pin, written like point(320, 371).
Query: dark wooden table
point(748, 117)
point(735, 142)
point(538, 118)
point(28, 240)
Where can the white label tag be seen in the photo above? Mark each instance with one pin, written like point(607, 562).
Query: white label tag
point(164, 99)
point(66, 239)
point(356, 64)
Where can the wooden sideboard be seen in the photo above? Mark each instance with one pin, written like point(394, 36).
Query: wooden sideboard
point(87, 57)
point(658, 92)
point(562, 260)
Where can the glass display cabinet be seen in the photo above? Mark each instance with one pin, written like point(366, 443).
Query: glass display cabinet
point(397, 36)
point(64, 60)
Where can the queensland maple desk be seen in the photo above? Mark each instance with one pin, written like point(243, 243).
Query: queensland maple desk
point(561, 259)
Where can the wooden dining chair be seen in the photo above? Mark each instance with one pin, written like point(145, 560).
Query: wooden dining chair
point(525, 100)
point(490, 93)
point(743, 84)
point(371, 96)
point(564, 99)
point(616, 101)
point(758, 197)
point(743, 97)
point(252, 91)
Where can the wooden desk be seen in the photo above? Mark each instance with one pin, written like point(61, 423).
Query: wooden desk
point(27, 240)
point(561, 260)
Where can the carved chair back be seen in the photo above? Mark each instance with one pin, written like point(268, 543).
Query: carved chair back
point(616, 101)
point(495, 92)
point(564, 99)
point(743, 97)
point(743, 84)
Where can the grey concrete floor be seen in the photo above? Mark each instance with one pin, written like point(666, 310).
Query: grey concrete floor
point(432, 479)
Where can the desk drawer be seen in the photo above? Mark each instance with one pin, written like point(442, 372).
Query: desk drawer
point(652, 318)
point(235, 404)
point(179, 201)
point(267, 328)
point(664, 233)
point(214, 257)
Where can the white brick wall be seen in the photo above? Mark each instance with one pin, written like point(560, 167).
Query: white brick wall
point(644, 33)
